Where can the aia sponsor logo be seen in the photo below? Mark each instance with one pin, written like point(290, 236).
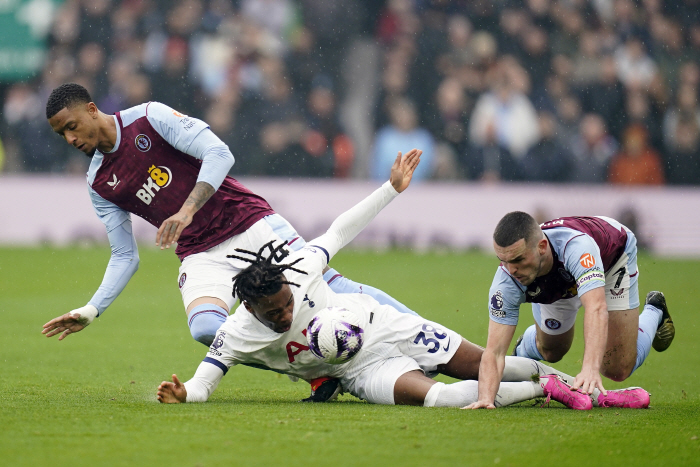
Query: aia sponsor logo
point(587, 260)
point(158, 177)
point(143, 143)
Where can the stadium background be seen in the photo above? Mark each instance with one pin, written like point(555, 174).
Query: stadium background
point(536, 90)
point(315, 88)
point(595, 103)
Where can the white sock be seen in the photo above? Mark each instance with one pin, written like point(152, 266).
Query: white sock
point(512, 393)
point(463, 393)
point(522, 369)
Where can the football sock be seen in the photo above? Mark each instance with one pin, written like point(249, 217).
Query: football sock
point(204, 320)
point(528, 346)
point(512, 393)
point(648, 324)
point(341, 284)
point(463, 393)
point(522, 369)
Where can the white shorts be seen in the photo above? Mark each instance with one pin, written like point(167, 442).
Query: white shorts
point(210, 273)
point(621, 293)
point(404, 343)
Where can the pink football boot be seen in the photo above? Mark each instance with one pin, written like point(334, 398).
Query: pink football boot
point(628, 398)
point(555, 388)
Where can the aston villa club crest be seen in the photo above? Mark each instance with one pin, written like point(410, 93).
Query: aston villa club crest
point(143, 143)
point(183, 278)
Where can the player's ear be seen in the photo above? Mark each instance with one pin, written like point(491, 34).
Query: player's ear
point(542, 245)
point(92, 109)
point(248, 307)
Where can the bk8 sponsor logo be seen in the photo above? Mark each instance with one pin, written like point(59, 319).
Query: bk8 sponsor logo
point(159, 177)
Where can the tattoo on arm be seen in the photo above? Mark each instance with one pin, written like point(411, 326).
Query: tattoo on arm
point(201, 193)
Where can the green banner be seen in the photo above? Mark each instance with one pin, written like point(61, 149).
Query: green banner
point(24, 25)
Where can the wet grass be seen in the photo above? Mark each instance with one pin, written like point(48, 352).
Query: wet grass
point(89, 400)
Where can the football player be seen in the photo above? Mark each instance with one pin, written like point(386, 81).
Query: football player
point(281, 291)
point(560, 266)
point(171, 170)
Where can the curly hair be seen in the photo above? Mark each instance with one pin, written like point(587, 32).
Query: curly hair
point(66, 96)
point(262, 278)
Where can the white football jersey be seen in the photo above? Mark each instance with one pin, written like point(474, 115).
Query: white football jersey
point(242, 339)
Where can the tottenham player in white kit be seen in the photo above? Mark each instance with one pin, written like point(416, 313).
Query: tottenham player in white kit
point(281, 292)
point(171, 170)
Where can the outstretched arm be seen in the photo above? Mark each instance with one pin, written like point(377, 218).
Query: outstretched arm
point(493, 361)
point(351, 222)
point(122, 265)
point(595, 335)
point(198, 389)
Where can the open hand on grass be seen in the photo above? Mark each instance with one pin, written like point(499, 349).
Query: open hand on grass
point(172, 393)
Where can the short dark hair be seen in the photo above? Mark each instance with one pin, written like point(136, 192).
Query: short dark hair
point(514, 226)
point(66, 96)
point(262, 278)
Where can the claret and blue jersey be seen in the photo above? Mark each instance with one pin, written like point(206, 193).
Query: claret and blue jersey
point(583, 249)
point(158, 157)
point(159, 149)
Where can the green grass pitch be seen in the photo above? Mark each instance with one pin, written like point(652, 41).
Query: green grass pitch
point(89, 400)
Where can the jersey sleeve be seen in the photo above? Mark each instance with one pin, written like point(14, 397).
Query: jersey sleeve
point(124, 260)
point(111, 215)
point(582, 259)
point(193, 137)
point(177, 129)
point(351, 222)
point(204, 382)
point(316, 257)
point(505, 298)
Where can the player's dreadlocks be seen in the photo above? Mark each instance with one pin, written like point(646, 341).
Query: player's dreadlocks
point(262, 278)
point(66, 96)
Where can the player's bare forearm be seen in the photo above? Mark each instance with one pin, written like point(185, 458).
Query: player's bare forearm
point(595, 334)
point(490, 374)
point(200, 194)
point(171, 229)
point(493, 361)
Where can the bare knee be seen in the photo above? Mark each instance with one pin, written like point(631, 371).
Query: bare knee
point(553, 355)
point(618, 373)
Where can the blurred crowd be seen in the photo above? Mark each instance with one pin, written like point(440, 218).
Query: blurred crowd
point(586, 91)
